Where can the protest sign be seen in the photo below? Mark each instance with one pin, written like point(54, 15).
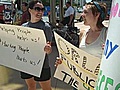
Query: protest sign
point(22, 48)
point(109, 76)
point(79, 69)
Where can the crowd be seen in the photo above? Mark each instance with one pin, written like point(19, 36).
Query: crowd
point(92, 41)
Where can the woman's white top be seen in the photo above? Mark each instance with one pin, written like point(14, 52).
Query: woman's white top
point(94, 48)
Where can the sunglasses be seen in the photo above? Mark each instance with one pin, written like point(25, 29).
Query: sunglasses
point(38, 9)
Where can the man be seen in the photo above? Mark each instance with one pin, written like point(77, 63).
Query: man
point(69, 15)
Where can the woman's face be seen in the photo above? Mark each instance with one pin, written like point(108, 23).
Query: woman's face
point(37, 11)
point(88, 16)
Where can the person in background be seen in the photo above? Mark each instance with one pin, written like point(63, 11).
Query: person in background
point(57, 10)
point(92, 41)
point(17, 17)
point(69, 15)
point(36, 10)
point(25, 15)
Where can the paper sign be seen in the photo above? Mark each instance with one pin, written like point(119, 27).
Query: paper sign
point(22, 48)
point(79, 69)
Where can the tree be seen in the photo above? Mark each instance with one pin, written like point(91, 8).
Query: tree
point(46, 2)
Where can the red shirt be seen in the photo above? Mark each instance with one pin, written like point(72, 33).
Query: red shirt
point(25, 17)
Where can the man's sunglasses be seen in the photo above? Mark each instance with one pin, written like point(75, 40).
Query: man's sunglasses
point(39, 9)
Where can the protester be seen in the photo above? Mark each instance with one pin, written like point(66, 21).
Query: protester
point(25, 15)
point(69, 15)
point(92, 40)
point(36, 10)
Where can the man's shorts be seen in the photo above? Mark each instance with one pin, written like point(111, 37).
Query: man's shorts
point(45, 75)
point(65, 20)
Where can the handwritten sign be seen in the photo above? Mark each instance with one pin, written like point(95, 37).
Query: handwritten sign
point(22, 48)
point(79, 69)
point(109, 76)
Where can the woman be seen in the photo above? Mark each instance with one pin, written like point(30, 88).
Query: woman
point(36, 10)
point(92, 40)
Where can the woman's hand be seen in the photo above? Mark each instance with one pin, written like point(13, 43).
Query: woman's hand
point(103, 46)
point(48, 48)
point(58, 61)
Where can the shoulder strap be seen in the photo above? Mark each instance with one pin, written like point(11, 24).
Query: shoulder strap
point(81, 35)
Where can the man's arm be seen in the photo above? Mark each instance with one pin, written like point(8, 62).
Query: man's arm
point(71, 18)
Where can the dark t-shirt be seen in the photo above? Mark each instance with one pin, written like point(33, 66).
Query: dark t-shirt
point(48, 33)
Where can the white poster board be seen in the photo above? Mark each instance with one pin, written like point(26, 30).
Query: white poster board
point(79, 69)
point(22, 48)
point(109, 76)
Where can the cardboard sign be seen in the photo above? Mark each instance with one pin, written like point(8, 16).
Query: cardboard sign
point(79, 69)
point(109, 76)
point(22, 48)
